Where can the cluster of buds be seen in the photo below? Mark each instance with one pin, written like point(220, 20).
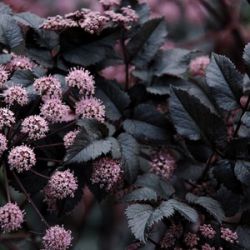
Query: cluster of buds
point(163, 163)
point(92, 22)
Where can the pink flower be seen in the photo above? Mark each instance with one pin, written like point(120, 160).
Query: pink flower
point(176, 230)
point(62, 184)
point(49, 87)
point(106, 173)
point(191, 239)
point(21, 63)
point(207, 231)
point(3, 144)
point(70, 137)
point(168, 241)
point(4, 75)
point(35, 126)
point(127, 16)
point(130, 16)
point(21, 158)
point(81, 79)
point(207, 247)
point(57, 238)
point(163, 164)
point(197, 66)
point(58, 23)
point(7, 118)
point(16, 94)
point(11, 217)
point(91, 108)
point(54, 110)
point(93, 22)
point(228, 235)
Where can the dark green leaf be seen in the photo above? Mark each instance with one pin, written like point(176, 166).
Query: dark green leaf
point(90, 53)
point(246, 57)
point(5, 9)
point(195, 120)
point(242, 171)
point(243, 233)
point(10, 32)
point(138, 216)
point(165, 210)
point(146, 42)
point(141, 194)
point(162, 188)
point(186, 211)
point(5, 58)
point(130, 152)
point(224, 173)
point(209, 204)
point(145, 131)
point(29, 19)
point(246, 119)
point(148, 113)
point(225, 82)
point(23, 77)
point(172, 62)
point(114, 99)
point(90, 152)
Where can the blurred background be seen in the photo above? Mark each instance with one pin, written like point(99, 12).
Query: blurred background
point(222, 26)
point(216, 25)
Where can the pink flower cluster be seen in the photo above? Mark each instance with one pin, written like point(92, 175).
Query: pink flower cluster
point(3, 144)
point(168, 240)
point(35, 127)
point(54, 110)
point(7, 118)
point(11, 217)
point(191, 239)
point(207, 231)
point(20, 63)
point(62, 184)
point(91, 108)
point(4, 75)
point(58, 23)
point(21, 158)
point(163, 164)
point(57, 238)
point(69, 138)
point(206, 246)
point(197, 66)
point(126, 18)
point(106, 173)
point(228, 235)
point(92, 21)
point(82, 80)
point(48, 87)
point(16, 95)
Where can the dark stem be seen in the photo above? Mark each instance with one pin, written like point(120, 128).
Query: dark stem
point(49, 145)
point(6, 184)
point(29, 199)
point(243, 112)
point(62, 128)
point(208, 164)
point(15, 236)
point(39, 174)
point(48, 159)
point(158, 246)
